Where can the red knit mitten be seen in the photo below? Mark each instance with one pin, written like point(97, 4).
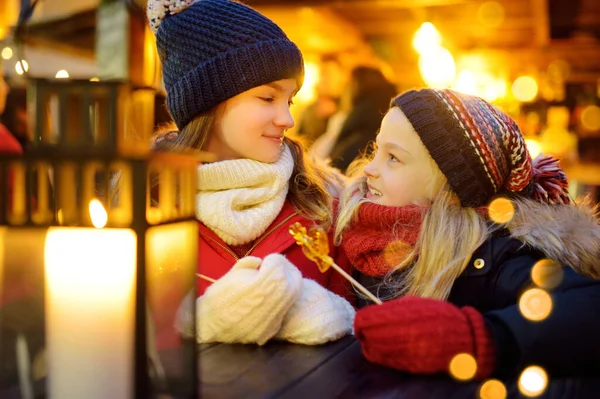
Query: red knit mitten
point(422, 336)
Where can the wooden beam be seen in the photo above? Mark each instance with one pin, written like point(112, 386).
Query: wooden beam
point(64, 47)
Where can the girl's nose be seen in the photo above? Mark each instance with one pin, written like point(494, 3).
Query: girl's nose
point(284, 118)
point(370, 170)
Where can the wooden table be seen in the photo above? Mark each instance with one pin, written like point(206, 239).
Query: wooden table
point(336, 370)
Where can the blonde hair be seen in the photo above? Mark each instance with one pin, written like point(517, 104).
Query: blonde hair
point(433, 265)
point(312, 186)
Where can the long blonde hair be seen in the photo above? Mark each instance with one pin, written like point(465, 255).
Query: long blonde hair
point(312, 186)
point(435, 263)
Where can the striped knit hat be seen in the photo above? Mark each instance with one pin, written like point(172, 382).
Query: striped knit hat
point(479, 148)
point(212, 50)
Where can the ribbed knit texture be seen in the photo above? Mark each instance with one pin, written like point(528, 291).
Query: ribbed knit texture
point(382, 237)
point(422, 336)
point(317, 316)
point(248, 305)
point(477, 147)
point(238, 199)
point(212, 50)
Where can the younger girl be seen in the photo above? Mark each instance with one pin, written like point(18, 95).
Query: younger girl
point(230, 74)
point(416, 228)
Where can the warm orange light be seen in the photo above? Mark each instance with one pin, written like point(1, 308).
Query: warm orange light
point(590, 117)
point(535, 304)
point(437, 67)
point(492, 389)
point(501, 210)
point(7, 53)
point(547, 274)
point(525, 88)
point(533, 381)
point(426, 38)
point(62, 74)
point(21, 67)
point(463, 366)
point(98, 214)
point(308, 91)
point(534, 147)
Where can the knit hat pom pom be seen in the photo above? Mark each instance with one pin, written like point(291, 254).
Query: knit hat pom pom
point(549, 181)
point(160, 9)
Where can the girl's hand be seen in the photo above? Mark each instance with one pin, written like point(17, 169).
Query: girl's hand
point(317, 316)
point(247, 305)
point(422, 336)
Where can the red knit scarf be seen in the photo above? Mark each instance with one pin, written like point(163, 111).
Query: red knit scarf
point(382, 237)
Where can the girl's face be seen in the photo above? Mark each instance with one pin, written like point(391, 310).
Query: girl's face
point(253, 123)
point(402, 171)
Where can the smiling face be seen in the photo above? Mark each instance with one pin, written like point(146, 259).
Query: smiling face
point(402, 172)
point(252, 124)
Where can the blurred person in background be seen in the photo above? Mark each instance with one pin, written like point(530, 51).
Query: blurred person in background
point(315, 118)
point(8, 143)
point(15, 114)
point(370, 96)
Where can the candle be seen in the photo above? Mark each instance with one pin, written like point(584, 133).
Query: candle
point(90, 297)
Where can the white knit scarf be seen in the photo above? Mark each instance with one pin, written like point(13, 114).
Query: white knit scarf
point(238, 199)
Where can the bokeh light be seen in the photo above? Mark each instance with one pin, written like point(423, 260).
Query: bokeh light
point(525, 88)
point(21, 67)
point(311, 77)
point(62, 74)
point(465, 82)
point(437, 68)
point(501, 210)
point(590, 117)
point(533, 381)
point(491, 14)
point(534, 147)
point(463, 367)
point(492, 389)
point(94, 79)
point(395, 252)
point(7, 53)
point(547, 274)
point(535, 304)
point(426, 38)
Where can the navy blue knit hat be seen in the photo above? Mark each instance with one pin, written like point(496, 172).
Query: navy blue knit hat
point(212, 50)
point(480, 149)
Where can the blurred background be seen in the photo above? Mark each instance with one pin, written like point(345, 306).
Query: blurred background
point(538, 60)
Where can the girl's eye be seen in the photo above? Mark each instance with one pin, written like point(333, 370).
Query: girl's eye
point(393, 158)
point(268, 99)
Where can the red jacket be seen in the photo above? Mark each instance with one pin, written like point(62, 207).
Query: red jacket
point(215, 258)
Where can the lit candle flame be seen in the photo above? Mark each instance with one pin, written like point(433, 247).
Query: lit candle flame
point(98, 214)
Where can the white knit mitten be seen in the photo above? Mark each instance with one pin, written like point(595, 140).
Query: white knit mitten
point(317, 316)
point(247, 305)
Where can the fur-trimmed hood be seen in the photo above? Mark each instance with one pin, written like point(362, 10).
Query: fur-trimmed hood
point(567, 234)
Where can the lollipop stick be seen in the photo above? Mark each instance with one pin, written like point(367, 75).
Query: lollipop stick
point(203, 277)
point(356, 284)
